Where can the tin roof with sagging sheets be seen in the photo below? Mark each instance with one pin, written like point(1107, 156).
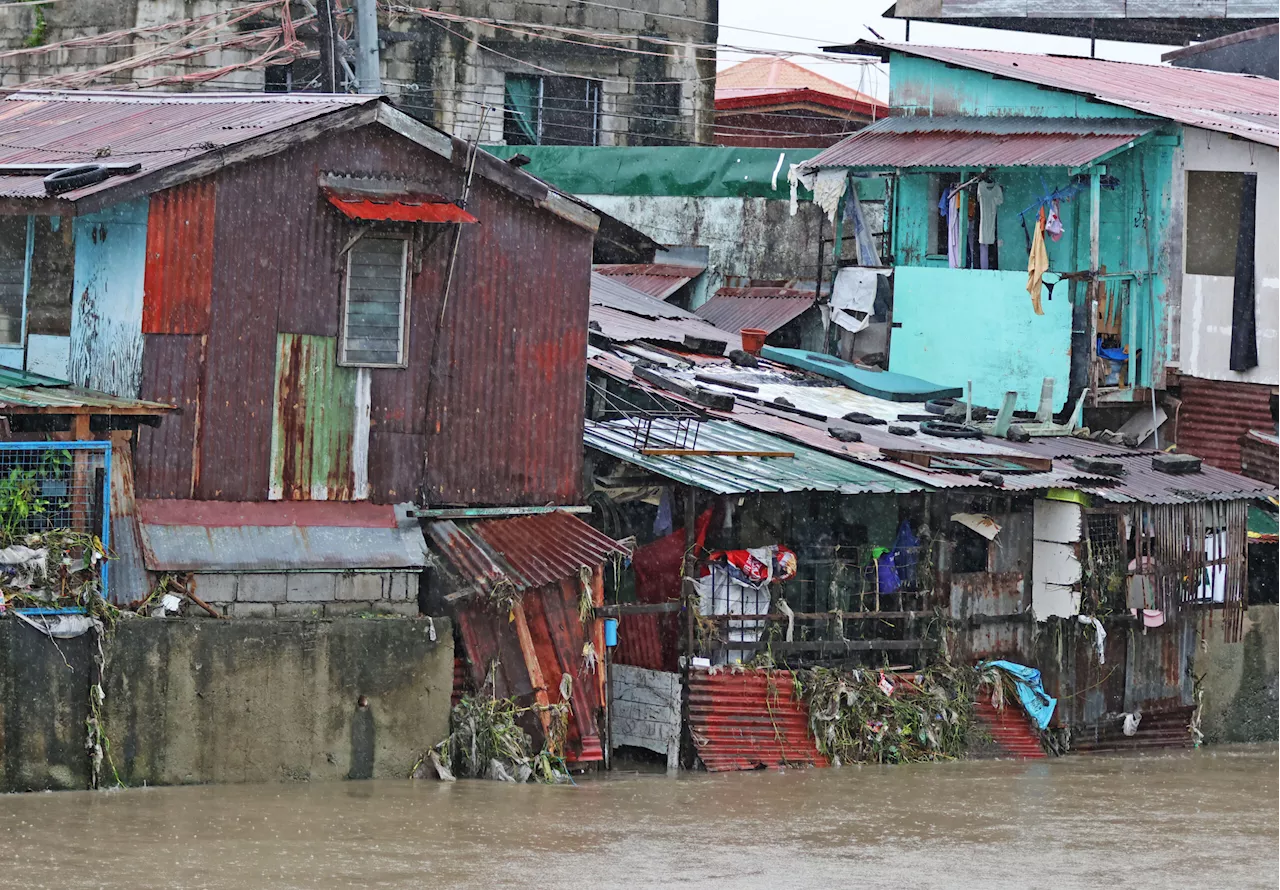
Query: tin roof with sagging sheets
point(659, 280)
point(624, 314)
point(805, 469)
point(528, 551)
point(1142, 484)
point(1239, 104)
point(24, 392)
point(736, 308)
point(903, 142)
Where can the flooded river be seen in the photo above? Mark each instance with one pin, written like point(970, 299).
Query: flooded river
point(1204, 819)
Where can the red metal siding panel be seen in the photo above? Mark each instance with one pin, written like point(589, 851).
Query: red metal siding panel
point(167, 456)
point(742, 721)
point(1215, 414)
point(179, 274)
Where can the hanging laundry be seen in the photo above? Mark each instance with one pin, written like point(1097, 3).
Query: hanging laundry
point(990, 196)
point(1037, 265)
point(853, 297)
point(863, 239)
point(953, 230)
point(1053, 225)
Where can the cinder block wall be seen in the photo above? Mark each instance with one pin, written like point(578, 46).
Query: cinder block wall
point(309, 594)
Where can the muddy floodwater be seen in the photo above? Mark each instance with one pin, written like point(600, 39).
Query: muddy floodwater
point(1189, 819)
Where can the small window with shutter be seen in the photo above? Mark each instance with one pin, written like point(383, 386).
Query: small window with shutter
point(373, 323)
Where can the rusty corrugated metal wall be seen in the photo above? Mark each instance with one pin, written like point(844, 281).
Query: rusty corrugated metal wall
point(314, 424)
point(504, 425)
point(179, 276)
point(1215, 414)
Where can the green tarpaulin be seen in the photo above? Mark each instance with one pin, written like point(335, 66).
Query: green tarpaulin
point(692, 171)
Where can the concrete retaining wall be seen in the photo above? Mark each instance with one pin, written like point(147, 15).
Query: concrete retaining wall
point(193, 701)
point(1241, 700)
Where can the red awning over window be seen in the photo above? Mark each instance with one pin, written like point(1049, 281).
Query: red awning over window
point(407, 208)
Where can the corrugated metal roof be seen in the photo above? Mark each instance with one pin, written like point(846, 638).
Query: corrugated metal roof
point(748, 719)
point(528, 551)
point(767, 313)
point(153, 130)
point(1070, 446)
point(981, 142)
point(1142, 484)
point(659, 280)
point(809, 470)
point(209, 540)
point(22, 392)
point(624, 314)
point(1239, 104)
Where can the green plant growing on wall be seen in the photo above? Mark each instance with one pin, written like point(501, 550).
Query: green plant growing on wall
point(38, 30)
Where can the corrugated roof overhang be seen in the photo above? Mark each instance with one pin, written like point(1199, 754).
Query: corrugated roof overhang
point(277, 536)
point(403, 209)
point(905, 142)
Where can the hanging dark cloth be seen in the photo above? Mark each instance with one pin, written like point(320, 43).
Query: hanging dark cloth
point(1244, 323)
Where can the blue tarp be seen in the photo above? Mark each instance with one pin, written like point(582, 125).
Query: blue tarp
point(1038, 703)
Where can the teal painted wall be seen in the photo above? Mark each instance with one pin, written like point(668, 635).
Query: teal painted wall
point(970, 324)
point(923, 86)
point(106, 302)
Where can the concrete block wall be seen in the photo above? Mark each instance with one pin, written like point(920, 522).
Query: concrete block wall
point(309, 594)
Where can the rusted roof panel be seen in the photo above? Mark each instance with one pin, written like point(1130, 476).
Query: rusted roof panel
point(22, 392)
point(155, 131)
point(749, 719)
point(528, 551)
point(901, 142)
point(767, 313)
point(659, 280)
point(1239, 104)
point(623, 327)
point(614, 292)
point(307, 514)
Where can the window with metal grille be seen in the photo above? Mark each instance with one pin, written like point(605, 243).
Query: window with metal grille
point(373, 323)
point(551, 111)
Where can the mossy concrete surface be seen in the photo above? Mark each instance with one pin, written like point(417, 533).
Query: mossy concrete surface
point(1240, 681)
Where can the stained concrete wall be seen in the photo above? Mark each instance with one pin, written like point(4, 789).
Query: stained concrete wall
point(1241, 689)
point(192, 701)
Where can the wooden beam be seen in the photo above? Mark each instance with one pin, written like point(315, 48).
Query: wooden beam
point(534, 669)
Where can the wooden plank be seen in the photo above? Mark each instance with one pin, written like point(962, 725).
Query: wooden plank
point(530, 656)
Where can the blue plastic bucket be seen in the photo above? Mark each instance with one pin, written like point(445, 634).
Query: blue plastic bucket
point(611, 632)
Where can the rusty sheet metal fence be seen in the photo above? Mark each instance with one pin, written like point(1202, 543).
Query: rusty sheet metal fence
point(742, 720)
point(66, 486)
point(1198, 551)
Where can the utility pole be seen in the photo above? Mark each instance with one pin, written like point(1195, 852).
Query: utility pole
point(368, 71)
point(328, 49)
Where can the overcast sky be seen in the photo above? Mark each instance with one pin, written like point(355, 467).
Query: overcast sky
point(806, 25)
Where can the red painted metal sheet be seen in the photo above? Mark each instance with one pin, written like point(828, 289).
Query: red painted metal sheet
point(640, 642)
point(659, 280)
point(178, 282)
point(528, 551)
point(1231, 103)
point(156, 131)
point(500, 423)
point(402, 210)
point(167, 457)
point(1010, 729)
point(559, 638)
point(771, 81)
point(743, 721)
point(1216, 413)
point(767, 313)
point(230, 514)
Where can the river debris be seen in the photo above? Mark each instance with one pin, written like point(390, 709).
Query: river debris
point(872, 716)
point(486, 741)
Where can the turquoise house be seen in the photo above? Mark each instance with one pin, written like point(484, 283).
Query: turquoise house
point(1099, 144)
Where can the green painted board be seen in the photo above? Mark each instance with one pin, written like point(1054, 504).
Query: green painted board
point(313, 423)
point(881, 384)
